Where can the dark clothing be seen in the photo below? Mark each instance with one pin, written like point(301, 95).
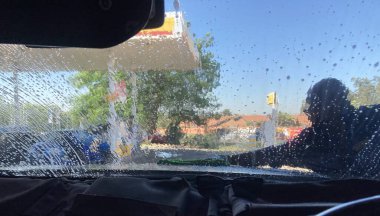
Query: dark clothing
point(327, 148)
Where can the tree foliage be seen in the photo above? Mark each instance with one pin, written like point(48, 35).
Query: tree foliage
point(366, 91)
point(35, 116)
point(226, 112)
point(6, 113)
point(286, 120)
point(303, 106)
point(164, 97)
point(92, 106)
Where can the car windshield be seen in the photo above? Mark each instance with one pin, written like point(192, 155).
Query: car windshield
point(278, 87)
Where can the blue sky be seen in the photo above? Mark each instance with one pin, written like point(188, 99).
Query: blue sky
point(285, 46)
point(263, 46)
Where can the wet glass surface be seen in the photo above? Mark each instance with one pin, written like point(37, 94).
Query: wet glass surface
point(295, 84)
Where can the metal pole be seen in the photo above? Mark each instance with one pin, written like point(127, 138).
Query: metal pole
point(134, 125)
point(274, 122)
point(16, 114)
point(275, 116)
point(114, 134)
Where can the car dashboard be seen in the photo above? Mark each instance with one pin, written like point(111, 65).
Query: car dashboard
point(178, 193)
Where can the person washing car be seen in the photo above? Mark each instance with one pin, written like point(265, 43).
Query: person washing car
point(95, 145)
point(339, 132)
point(72, 147)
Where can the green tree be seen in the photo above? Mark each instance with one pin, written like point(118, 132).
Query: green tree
point(36, 116)
point(40, 117)
point(286, 120)
point(91, 106)
point(303, 106)
point(216, 115)
point(67, 120)
point(250, 123)
point(192, 98)
point(226, 112)
point(6, 112)
point(165, 97)
point(366, 91)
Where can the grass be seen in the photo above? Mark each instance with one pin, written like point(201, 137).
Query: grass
point(238, 147)
point(241, 147)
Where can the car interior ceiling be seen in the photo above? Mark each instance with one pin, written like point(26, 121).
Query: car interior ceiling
point(166, 192)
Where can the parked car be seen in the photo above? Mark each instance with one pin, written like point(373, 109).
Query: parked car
point(70, 147)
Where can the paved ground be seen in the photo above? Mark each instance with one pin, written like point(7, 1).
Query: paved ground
point(154, 155)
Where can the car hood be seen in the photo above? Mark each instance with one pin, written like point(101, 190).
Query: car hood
point(94, 171)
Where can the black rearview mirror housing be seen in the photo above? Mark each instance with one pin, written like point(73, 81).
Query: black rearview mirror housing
point(83, 23)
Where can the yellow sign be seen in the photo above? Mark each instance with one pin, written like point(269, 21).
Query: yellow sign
point(166, 29)
point(123, 150)
point(271, 98)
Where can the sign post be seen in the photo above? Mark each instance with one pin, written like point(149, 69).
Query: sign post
point(271, 125)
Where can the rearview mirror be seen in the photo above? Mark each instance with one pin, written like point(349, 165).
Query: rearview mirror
point(84, 23)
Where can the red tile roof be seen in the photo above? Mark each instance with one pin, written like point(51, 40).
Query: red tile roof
point(243, 121)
